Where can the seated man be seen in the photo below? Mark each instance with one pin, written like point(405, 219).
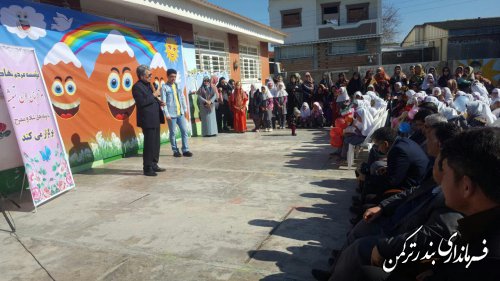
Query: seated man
point(388, 224)
point(470, 164)
point(407, 163)
point(418, 122)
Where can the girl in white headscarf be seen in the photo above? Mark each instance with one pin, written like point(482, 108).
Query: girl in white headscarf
point(267, 108)
point(357, 132)
point(317, 117)
point(448, 97)
point(280, 105)
point(428, 83)
point(435, 101)
point(305, 115)
point(344, 96)
point(479, 114)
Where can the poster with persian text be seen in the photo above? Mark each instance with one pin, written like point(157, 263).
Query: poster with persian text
point(34, 123)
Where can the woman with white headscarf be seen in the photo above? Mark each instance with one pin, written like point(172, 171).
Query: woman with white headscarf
point(435, 101)
point(305, 115)
point(448, 97)
point(479, 114)
point(266, 108)
point(357, 132)
point(428, 84)
point(280, 101)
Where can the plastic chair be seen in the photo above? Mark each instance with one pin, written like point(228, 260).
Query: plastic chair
point(379, 123)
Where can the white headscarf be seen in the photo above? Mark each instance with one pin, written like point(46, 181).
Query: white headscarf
point(481, 89)
point(435, 101)
point(436, 91)
point(420, 96)
point(425, 84)
point(448, 97)
point(380, 103)
point(479, 97)
point(305, 111)
point(367, 98)
point(481, 109)
point(273, 90)
point(267, 94)
point(281, 91)
point(372, 94)
point(366, 120)
point(344, 96)
point(449, 113)
point(410, 94)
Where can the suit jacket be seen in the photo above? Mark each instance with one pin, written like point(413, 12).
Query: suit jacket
point(169, 98)
point(149, 114)
point(407, 165)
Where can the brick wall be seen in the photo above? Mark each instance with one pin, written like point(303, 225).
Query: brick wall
point(264, 60)
point(176, 27)
point(234, 56)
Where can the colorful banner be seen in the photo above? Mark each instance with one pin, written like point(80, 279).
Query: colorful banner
point(34, 123)
point(11, 158)
point(89, 67)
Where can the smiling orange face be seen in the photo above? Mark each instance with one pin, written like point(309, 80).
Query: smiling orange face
point(65, 88)
point(114, 75)
point(159, 77)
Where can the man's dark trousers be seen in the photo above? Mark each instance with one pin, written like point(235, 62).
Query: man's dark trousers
point(151, 153)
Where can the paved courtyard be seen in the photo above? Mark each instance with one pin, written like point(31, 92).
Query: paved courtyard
point(257, 206)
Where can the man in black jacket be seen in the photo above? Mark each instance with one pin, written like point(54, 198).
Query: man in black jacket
point(407, 163)
point(149, 118)
point(386, 228)
point(470, 164)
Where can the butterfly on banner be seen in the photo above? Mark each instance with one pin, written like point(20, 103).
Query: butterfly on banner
point(45, 154)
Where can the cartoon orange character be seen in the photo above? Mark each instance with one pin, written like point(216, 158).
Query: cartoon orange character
point(66, 83)
point(113, 78)
point(158, 70)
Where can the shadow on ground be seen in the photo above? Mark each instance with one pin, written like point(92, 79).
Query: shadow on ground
point(320, 233)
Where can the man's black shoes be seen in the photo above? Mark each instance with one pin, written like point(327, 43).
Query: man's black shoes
point(150, 173)
point(177, 154)
point(187, 154)
point(158, 169)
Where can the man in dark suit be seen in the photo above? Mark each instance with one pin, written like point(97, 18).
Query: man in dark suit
point(407, 163)
point(149, 118)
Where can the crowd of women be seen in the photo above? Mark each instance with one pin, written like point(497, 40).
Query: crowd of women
point(464, 96)
point(406, 196)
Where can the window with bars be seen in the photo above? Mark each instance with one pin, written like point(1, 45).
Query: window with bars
point(211, 55)
point(293, 52)
point(347, 47)
point(249, 62)
point(250, 68)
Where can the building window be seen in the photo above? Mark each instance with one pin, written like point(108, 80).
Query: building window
point(357, 12)
point(294, 52)
point(330, 13)
point(249, 63)
point(211, 56)
point(347, 47)
point(291, 18)
point(250, 68)
point(247, 50)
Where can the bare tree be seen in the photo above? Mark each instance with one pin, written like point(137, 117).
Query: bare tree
point(390, 22)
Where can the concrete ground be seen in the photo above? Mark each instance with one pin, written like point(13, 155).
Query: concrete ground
point(254, 206)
